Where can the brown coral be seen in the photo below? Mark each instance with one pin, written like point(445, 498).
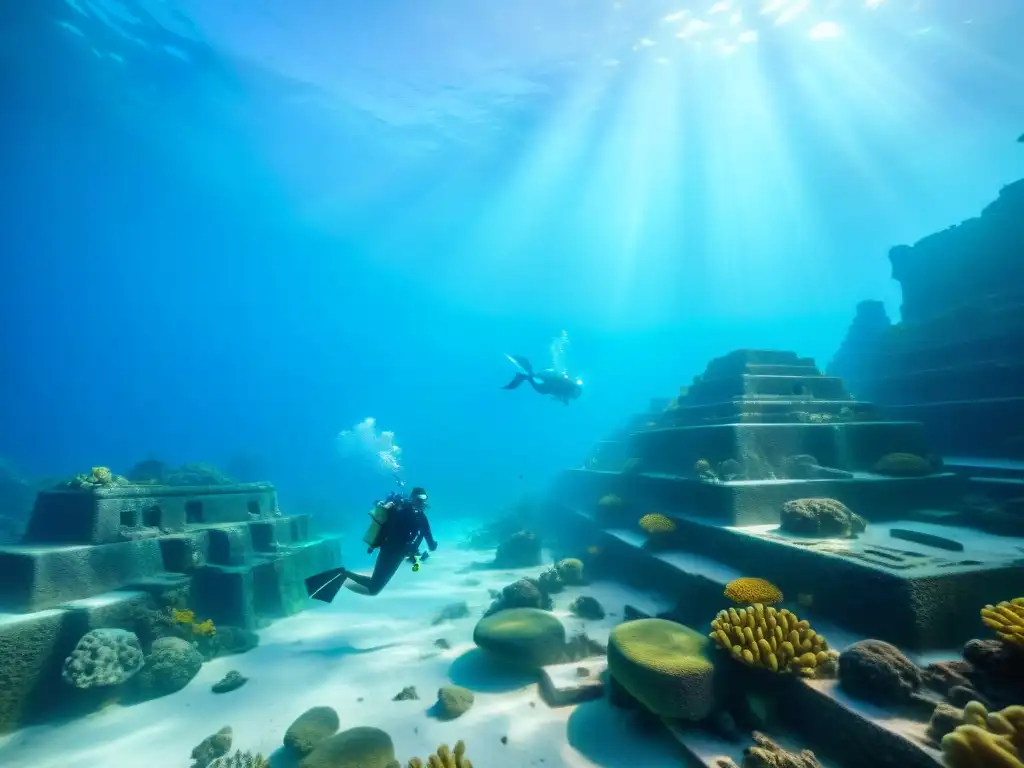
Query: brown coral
point(1006, 618)
point(752, 590)
point(767, 754)
point(445, 758)
point(656, 523)
point(903, 465)
point(986, 739)
point(820, 517)
point(777, 640)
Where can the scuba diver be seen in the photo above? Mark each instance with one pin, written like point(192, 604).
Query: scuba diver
point(554, 381)
point(399, 526)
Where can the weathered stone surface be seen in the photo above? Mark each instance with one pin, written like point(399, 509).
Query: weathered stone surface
point(573, 683)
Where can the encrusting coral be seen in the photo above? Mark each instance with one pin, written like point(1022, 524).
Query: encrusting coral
point(903, 465)
point(986, 738)
point(753, 590)
point(1006, 618)
point(777, 640)
point(445, 758)
point(656, 523)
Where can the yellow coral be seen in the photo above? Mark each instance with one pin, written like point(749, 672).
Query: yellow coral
point(752, 590)
point(1007, 619)
point(204, 629)
point(571, 570)
point(986, 739)
point(611, 500)
point(445, 758)
point(777, 640)
point(101, 475)
point(702, 467)
point(183, 617)
point(657, 523)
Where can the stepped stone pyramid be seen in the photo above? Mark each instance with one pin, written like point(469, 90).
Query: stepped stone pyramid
point(759, 429)
point(101, 557)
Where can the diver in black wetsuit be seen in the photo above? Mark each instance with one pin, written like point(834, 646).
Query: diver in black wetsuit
point(399, 539)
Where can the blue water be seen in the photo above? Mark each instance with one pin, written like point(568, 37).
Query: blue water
point(232, 230)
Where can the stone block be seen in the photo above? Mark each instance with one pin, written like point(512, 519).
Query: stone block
point(279, 581)
point(181, 552)
point(225, 594)
point(300, 528)
point(229, 545)
point(852, 446)
point(119, 609)
point(268, 535)
point(37, 577)
point(97, 516)
point(32, 647)
point(573, 683)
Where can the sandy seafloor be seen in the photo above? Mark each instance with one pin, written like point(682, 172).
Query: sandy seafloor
point(355, 655)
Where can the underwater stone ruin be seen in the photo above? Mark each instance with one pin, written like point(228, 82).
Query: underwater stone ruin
point(765, 482)
point(216, 562)
point(754, 469)
point(956, 361)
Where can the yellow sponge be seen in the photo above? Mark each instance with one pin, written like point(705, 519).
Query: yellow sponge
point(1007, 619)
point(656, 523)
point(777, 640)
point(445, 758)
point(751, 590)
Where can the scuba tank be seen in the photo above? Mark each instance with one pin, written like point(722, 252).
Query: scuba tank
point(378, 517)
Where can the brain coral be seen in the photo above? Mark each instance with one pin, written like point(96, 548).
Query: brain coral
point(1007, 619)
point(103, 657)
point(362, 747)
point(522, 636)
point(777, 640)
point(657, 523)
point(751, 590)
point(820, 517)
point(571, 570)
point(903, 465)
point(665, 666)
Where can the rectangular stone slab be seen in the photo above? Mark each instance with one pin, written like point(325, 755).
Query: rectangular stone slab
point(851, 446)
point(747, 503)
point(96, 516)
point(36, 577)
point(562, 685)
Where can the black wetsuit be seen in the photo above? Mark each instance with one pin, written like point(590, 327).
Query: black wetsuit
point(405, 530)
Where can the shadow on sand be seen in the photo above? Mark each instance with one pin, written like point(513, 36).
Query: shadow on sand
point(335, 651)
point(616, 738)
point(282, 757)
point(475, 671)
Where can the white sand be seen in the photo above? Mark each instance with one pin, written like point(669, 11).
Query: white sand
point(355, 655)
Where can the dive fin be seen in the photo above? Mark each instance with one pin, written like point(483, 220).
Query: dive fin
point(324, 586)
point(518, 379)
point(523, 364)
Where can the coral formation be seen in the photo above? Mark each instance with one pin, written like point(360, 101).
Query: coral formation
point(521, 550)
point(521, 636)
point(525, 593)
point(453, 701)
point(212, 747)
point(665, 666)
point(767, 754)
point(103, 657)
point(986, 739)
point(776, 640)
point(241, 760)
point(170, 666)
point(878, 672)
point(903, 465)
point(451, 612)
point(753, 590)
point(944, 719)
point(820, 517)
point(550, 581)
point(98, 477)
point(654, 523)
point(570, 569)
point(586, 607)
point(310, 728)
point(445, 758)
point(1006, 619)
point(362, 747)
point(610, 502)
point(230, 682)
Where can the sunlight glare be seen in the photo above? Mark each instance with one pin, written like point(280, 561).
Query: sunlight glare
point(790, 13)
point(677, 16)
point(825, 30)
point(873, 3)
point(693, 27)
point(721, 7)
point(749, 36)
